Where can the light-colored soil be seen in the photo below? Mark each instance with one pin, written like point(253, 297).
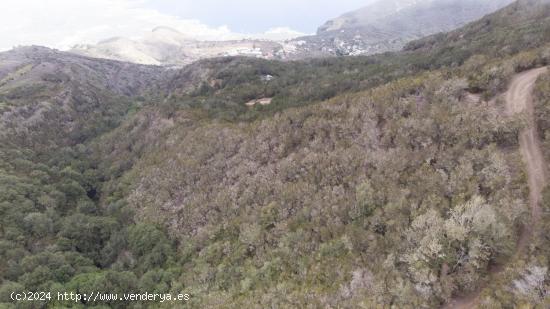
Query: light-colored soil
point(263, 101)
point(518, 100)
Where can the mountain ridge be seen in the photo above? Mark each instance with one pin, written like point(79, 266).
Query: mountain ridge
point(389, 25)
point(383, 26)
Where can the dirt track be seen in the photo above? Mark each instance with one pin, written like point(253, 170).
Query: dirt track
point(519, 99)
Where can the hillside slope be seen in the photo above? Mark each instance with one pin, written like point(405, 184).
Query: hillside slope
point(391, 180)
point(413, 17)
point(266, 207)
point(42, 89)
point(388, 25)
point(168, 47)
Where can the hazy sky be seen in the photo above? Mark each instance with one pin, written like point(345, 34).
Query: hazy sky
point(64, 23)
point(259, 15)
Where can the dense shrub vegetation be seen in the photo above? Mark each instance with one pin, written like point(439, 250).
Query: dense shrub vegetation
point(392, 180)
point(406, 177)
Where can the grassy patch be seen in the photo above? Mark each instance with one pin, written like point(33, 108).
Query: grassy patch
point(16, 74)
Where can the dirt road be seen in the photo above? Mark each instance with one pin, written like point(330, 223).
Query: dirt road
point(519, 99)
